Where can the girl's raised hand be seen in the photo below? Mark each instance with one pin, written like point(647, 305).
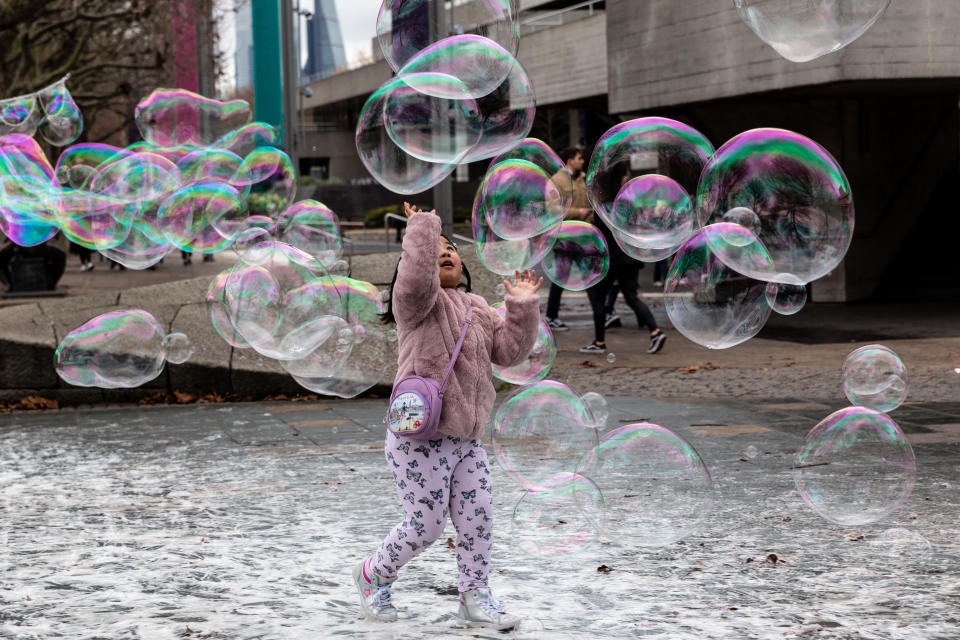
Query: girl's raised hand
point(408, 210)
point(527, 284)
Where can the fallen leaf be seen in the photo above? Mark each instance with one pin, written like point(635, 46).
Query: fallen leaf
point(604, 569)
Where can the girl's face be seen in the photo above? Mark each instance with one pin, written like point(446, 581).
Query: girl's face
point(450, 266)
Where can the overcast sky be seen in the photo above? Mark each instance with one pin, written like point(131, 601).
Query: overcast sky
point(358, 24)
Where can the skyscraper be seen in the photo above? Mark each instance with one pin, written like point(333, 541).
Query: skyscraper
point(324, 41)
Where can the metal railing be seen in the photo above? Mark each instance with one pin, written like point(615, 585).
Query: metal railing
point(554, 18)
point(393, 216)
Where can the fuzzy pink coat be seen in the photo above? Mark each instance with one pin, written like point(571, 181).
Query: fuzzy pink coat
point(430, 318)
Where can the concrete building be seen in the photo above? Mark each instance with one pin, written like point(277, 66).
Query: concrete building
point(886, 107)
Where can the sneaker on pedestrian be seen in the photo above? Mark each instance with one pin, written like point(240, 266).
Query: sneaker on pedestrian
point(374, 593)
point(656, 342)
point(593, 347)
point(613, 320)
point(556, 324)
point(478, 608)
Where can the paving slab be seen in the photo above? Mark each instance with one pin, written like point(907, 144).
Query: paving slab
point(220, 521)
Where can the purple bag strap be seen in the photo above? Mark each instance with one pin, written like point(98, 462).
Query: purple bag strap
point(456, 350)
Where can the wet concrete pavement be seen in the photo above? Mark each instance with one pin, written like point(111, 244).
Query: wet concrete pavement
point(244, 521)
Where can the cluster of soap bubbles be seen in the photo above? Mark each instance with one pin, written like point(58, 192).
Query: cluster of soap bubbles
point(804, 31)
point(856, 466)
point(639, 471)
point(518, 219)
point(51, 111)
point(202, 169)
point(120, 349)
point(453, 99)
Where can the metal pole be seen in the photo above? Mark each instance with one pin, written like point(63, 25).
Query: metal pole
point(267, 67)
point(443, 192)
point(289, 83)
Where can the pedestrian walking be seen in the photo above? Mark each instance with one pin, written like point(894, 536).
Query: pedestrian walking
point(86, 263)
point(573, 185)
point(449, 473)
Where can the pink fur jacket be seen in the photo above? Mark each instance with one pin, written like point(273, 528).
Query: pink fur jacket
point(429, 321)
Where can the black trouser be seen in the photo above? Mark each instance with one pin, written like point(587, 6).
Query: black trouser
point(553, 301)
point(626, 274)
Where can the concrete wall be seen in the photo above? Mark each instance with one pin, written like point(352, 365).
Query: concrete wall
point(664, 52)
point(567, 62)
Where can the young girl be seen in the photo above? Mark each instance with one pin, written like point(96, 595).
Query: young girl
point(449, 474)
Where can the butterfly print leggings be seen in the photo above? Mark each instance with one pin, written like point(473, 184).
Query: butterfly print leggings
point(434, 478)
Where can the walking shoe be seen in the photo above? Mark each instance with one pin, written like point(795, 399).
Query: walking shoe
point(478, 608)
point(593, 347)
point(656, 342)
point(613, 320)
point(658, 283)
point(556, 324)
point(374, 593)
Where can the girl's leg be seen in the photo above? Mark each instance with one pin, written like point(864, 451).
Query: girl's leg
point(421, 471)
point(471, 509)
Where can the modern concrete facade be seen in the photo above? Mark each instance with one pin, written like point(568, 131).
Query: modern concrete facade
point(886, 107)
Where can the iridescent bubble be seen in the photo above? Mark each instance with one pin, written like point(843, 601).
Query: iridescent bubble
point(542, 430)
point(19, 115)
point(640, 253)
point(538, 362)
point(744, 217)
point(540, 154)
point(520, 200)
point(313, 228)
point(654, 212)
point(248, 242)
point(390, 165)
point(597, 407)
point(505, 257)
point(855, 467)
point(268, 179)
point(478, 62)
point(432, 117)
point(403, 26)
point(325, 360)
point(562, 518)
point(62, 122)
point(95, 221)
point(145, 245)
point(78, 164)
point(204, 217)
point(579, 258)
point(177, 347)
point(249, 137)
point(171, 117)
point(658, 146)
point(121, 349)
point(657, 488)
point(209, 165)
point(142, 177)
point(798, 192)
point(710, 303)
point(611, 357)
point(220, 313)
point(875, 377)
point(29, 200)
point(786, 299)
point(804, 31)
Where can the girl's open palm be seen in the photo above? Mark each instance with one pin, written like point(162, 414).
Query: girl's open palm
point(409, 210)
point(527, 284)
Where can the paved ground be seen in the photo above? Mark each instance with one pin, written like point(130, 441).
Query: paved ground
point(244, 520)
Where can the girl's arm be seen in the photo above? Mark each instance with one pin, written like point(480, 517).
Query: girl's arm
point(418, 274)
point(515, 335)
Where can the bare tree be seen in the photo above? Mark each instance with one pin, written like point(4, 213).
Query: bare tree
point(116, 52)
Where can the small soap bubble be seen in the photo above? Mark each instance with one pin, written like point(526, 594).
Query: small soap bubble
point(565, 516)
point(177, 348)
point(750, 452)
point(500, 290)
point(391, 335)
point(597, 408)
point(874, 376)
point(786, 299)
point(579, 258)
point(611, 357)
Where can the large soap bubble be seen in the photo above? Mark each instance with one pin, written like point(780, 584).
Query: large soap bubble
point(542, 430)
point(403, 26)
point(503, 256)
point(799, 194)
point(313, 228)
point(50, 110)
point(711, 304)
point(203, 217)
point(855, 467)
point(562, 518)
point(538, 362)
point(803, 31)
point(172, 117)
point(654, 211)
point(657, 488)
point(579, 257)
point(121, 349)
point(520, 200)
point(875, 377)
point(478, 62)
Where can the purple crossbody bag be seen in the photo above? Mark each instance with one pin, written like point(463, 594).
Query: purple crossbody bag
point(416, 401)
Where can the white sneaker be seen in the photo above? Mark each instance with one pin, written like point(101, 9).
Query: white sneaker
point(374, 593)
point(478, 608)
